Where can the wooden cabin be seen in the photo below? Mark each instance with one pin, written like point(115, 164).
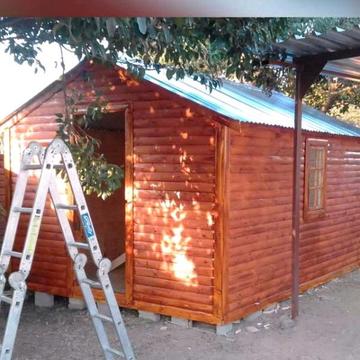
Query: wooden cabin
point(204, 215)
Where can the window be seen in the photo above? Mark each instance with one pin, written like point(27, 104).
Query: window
point(315, 178)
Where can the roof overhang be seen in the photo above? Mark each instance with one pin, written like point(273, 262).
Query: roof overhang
point(335, 52)
point(338, 51)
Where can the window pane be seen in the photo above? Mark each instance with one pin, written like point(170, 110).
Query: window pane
point(311, 178)
point(316, 199)
point(318, 177)
point(319, 157)
point(312, 199)
point(315, 171)
point(312, 157)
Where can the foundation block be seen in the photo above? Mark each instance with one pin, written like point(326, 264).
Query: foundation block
point(43, 299)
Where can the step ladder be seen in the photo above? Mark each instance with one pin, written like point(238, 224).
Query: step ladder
point(57, 156)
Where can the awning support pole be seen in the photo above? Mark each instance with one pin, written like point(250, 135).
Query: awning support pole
point(296, 197)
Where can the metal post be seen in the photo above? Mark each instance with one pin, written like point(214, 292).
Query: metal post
point(296, 197)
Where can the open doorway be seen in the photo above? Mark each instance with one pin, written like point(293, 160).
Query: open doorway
point(108, 215)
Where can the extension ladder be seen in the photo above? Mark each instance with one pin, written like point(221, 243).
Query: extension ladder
point(57, 156)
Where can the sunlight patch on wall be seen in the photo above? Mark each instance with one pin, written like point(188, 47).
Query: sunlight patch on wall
point(174, 248)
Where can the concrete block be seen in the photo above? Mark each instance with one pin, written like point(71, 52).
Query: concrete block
point(147, 315)
point(286, 322)
point(43, 299)
point(271, 309)
point(185, 323)
point(252, 329)
point(254, 316)
point(76, 304)
point(285, 305)
point(223, 330)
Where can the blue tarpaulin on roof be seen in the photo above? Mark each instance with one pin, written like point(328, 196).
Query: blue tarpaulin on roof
point(247, 103)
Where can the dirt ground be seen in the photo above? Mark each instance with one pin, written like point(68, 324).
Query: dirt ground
point(328, 329)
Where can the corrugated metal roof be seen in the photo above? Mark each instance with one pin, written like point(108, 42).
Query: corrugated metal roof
point(328, 44)
point(315, 44)
point(346, 68)
point(247, 103)
point(243, 103)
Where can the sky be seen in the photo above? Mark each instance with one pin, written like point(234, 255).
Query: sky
point(19, 83)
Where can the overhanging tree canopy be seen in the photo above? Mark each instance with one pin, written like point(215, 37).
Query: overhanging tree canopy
point(204, 48)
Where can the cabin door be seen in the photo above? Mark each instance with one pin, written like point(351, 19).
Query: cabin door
point(109, 215)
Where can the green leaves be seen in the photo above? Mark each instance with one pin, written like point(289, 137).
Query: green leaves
point(170, 73)
point(209, 48)
point(95, 173)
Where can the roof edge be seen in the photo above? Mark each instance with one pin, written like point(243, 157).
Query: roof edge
point(42, 96)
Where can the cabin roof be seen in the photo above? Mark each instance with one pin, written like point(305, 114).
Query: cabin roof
point(239, 102)
point(247, 103)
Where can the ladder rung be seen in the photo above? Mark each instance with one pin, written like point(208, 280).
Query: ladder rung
point(32, 167)
point(13, 254)
point(115, 352)
point(23, 210)
point(66, 206)
point(92, 283)
point(79, 245)
point(39, 166)
point(104, 317)
point(6, 299)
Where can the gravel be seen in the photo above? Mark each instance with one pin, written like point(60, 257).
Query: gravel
point(327, 329)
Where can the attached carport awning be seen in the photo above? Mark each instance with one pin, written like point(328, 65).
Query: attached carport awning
point(339, 48)
point(336, 53)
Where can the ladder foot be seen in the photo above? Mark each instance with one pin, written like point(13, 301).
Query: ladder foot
point(115, 352)
point(57, 156)
point(17, 281)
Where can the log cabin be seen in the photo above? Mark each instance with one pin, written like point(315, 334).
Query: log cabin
point(204, 214)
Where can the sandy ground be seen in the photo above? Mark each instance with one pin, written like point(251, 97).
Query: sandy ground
point(328, 328)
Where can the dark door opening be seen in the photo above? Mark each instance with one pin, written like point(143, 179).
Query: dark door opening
point(108, 215)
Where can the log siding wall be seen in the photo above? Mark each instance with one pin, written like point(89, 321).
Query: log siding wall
point(260, 217)
point(179, 268)
point(174, 199)
point(50, 271)
point(2, 195)
point(174, 196)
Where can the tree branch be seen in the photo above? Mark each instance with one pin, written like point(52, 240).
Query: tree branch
point(7, 22)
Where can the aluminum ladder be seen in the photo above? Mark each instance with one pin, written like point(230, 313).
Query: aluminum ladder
point(57, 156)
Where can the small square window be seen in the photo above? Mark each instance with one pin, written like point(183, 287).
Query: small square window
point(315, 178)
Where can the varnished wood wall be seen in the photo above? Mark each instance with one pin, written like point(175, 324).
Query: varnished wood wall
point(2, 195)
point(174, 196)
point(108, 215)
point(176, 227)
point(173, 206)
point(259, 243)
point(51, 268)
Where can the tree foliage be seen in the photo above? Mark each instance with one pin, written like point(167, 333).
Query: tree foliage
point(206, 49)
point(95, 173)
point(335, 97)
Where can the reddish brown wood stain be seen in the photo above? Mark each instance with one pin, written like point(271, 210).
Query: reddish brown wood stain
point(200, 252)
point(174, 195)
point(2, 194)
point(109, 215)
point(260, 217)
